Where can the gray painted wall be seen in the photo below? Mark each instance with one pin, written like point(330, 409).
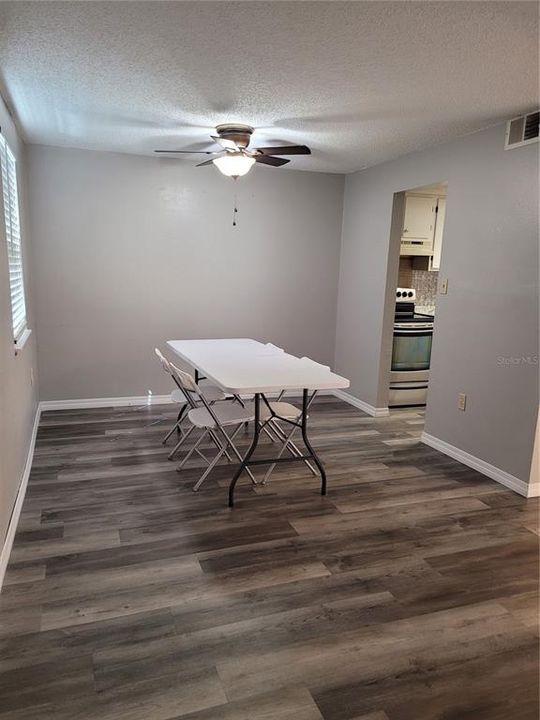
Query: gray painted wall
point(18, 398)
point(132, 251)
point(490, 257)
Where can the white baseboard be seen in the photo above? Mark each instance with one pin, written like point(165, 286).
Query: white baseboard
point(14, 520)
point(495, 473)
point(80, 403)
point(361, 405)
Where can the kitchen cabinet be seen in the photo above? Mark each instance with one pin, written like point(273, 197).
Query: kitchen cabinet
point(423, 226)
point(418, 225)
point(419, 219)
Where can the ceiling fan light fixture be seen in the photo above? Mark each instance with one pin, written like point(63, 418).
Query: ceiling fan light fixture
point(234, 164)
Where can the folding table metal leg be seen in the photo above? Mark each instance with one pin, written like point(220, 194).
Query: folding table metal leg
point(306, 401)
point(305, 405)
point(251, 450)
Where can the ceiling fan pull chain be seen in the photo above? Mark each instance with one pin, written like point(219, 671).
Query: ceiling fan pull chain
point(235, 210)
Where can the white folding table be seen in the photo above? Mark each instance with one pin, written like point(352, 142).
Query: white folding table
point(241, 366)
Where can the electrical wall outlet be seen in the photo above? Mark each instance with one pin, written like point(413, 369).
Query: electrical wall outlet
point(462, 401)
point(444, 286)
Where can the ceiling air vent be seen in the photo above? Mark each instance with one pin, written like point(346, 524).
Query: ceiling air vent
point(522, 131)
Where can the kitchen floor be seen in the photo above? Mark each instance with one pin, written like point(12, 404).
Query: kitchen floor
point(408, 593)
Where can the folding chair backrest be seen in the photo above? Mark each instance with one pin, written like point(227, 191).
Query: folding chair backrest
point(184, 379)
point(175, 374)
point(163, 360)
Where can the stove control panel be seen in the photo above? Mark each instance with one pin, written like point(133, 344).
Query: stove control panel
point(405, 294)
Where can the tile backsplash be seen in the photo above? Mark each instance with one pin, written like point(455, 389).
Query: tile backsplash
point(423, 281)
point(425, 284)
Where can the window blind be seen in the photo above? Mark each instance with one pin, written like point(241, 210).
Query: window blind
point(13, 239)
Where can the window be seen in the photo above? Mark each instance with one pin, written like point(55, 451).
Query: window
point(13, 239)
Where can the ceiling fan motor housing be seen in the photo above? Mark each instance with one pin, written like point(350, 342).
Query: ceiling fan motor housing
point(240, 134)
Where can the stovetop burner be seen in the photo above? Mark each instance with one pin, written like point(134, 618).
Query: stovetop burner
point(405, 295)
point(405, 311)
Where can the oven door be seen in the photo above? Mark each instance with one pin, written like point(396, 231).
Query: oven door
point(411, 349)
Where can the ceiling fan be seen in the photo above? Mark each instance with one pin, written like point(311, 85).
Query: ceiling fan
point(235, 158)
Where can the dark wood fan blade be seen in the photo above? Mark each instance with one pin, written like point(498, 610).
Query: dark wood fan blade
point(206, 162)
point(268, 160)
point(189, 152)
point(286, 150)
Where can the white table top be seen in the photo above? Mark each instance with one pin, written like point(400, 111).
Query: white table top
point(243, 365)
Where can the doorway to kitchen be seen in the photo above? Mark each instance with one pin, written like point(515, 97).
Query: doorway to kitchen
point(418, 231)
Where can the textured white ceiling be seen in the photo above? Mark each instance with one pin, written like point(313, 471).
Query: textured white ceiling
point(359, 82)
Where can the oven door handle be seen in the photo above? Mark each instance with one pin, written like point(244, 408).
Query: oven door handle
point(413, 333)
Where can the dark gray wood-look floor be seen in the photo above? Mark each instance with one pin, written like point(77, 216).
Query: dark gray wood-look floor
point(408, 593)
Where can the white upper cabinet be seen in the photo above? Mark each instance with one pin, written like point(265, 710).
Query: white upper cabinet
point(439, 228)
point(419, 221)
point(418, 225)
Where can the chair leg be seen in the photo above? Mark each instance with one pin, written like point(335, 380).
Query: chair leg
point(203, 456)
point(271, 468)
point(294, 449)
point(237, 453)
point(219, 445)
point(297, 450)
point(168, 435)
point(266, 432)
point(176, 425)
point(276, 431)
point(182, 440)
point(209, 469)
point(289, 445)
point(222, 451)
point(193, 449)
point(181, 417)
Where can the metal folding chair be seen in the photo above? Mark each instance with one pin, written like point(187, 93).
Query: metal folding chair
point(212, 419)
point(177, 396)
point(211, 393)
